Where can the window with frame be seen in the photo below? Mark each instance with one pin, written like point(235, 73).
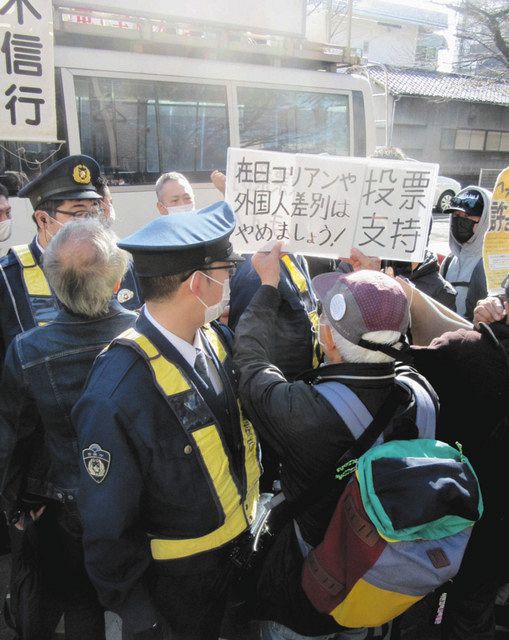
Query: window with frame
point(138, 129)
point(293, 121)
point(470, 139)
point(497, 141)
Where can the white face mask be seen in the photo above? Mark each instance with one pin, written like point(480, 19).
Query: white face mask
point(5, 229)
point(183, 208)
point(48, 233)
point(214, 311)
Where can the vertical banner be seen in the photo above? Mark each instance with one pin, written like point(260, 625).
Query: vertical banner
point(495, 250)
point(27, 91)
point(325, 205)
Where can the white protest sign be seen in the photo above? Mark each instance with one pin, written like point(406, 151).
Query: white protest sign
point(27, 88)
point(325, 205)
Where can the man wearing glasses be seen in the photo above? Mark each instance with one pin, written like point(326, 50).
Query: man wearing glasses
point(64, 193)
point(169, 468)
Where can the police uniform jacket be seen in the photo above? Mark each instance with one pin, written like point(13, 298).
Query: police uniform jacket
point(44, 373)
point(291, 345)
point(309, 437)
point(158, 469)
point(22, 309)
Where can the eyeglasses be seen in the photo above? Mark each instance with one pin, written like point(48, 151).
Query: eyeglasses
point(89, 213)
point(232, 269)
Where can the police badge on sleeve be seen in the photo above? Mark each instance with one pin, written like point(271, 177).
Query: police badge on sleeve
point(97, 462)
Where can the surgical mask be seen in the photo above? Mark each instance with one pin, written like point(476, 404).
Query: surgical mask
point(462, 228)
point(214, 311)
point(5, 229)
point(183, 208)
point(51, 235)
point(317, 332)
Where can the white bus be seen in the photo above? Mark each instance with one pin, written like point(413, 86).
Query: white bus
point(126, 99)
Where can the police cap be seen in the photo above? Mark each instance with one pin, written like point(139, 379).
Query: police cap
point(183, 241)
point(71, 178)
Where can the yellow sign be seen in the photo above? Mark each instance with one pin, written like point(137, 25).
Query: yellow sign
point(495, 250)
point(81, 174)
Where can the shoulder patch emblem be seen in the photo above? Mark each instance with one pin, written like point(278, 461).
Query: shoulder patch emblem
point(97, 462)
point(124, 295)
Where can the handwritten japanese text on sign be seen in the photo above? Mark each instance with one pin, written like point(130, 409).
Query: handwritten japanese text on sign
point(325, 205)
point(27, 91)
point(496, 240)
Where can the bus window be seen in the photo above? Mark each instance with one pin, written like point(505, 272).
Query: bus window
point(138, 129)
point(293, 121)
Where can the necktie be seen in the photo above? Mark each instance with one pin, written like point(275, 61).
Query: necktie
point(200, 366)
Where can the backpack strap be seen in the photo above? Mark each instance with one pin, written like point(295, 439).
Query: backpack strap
point(347, 405)
point(426, 414)
point(327, 481)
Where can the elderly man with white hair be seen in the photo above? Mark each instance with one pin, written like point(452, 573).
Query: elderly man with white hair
point(363, 319)
point(44, 373)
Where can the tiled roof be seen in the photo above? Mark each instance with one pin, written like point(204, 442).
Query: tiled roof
point(447, 86)
point(400, 13)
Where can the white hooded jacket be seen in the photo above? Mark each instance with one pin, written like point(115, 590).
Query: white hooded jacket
point(467, 257)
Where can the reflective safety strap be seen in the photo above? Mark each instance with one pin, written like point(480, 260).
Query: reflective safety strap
point(215, 342)
point(35, 283)
point(238, 511)
point(33, 276)
point(317, 350)
point(251, 464)
point(297, 277)
point(235, 522)
point(300, 282)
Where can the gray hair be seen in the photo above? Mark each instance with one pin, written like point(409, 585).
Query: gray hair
point(83, 264)
point(351, 352)
point(389, 153)
point(166, 177)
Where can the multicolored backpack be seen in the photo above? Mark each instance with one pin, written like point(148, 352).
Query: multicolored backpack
point(399, 531)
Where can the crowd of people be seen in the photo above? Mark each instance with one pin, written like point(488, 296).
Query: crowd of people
point(154, 387)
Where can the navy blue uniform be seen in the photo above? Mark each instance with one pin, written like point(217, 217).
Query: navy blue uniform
point(144, 476)
point(44, 372)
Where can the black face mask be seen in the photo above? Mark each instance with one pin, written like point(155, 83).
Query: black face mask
point(403, 269)
point(462, 228)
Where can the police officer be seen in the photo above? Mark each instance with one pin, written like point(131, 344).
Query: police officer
point(169, 470)
point(63, 193)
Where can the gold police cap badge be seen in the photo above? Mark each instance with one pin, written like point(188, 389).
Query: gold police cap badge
point(81, 174)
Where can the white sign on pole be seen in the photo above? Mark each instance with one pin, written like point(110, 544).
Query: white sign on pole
point(27, 89)
point(325, 205)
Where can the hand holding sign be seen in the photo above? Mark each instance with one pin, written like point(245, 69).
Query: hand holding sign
point(267, 266)
point(325, 205)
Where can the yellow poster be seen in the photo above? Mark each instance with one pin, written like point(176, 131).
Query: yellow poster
point(496, 241)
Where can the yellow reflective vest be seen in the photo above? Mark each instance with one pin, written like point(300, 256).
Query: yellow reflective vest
point(236, 493)
point(37, 290)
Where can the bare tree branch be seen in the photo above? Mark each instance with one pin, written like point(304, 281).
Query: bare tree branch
point(486, 27)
